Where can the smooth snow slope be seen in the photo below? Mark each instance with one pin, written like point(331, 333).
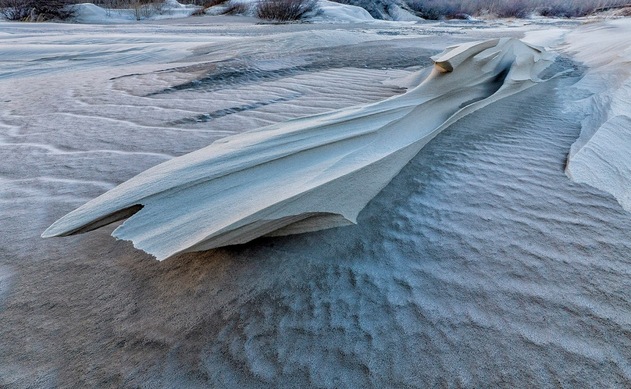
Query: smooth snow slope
point(307, 174)
point(601, 157)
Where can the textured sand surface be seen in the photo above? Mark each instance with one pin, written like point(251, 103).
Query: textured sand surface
point(481, 264)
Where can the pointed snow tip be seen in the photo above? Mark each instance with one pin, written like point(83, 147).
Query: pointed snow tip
point(68, 225)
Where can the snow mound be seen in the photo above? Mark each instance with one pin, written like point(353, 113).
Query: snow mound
point(331, 11)
point(400, 14)
point(307, 174)
point(327, 11)
point(600, 156)
point(92, 14)
point(396, 10)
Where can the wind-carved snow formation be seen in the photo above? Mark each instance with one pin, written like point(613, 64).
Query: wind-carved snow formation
point(307, 174)
point(601, 157)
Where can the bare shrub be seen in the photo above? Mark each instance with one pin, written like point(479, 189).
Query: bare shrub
point(129, 4)
point(113, 4)
point(285, 10)
point(447, 9)
point(14, 9)
point(212, 3)
point(36, 10)
point(236, 8)
point(514, 9)
point(144, 9)
point(554, 11)
point(201, 3)
point(570, 10)
point(434, 10)
point(199, 12)
point(624, 11)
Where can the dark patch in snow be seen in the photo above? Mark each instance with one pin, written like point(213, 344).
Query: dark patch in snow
point(372, 55)
point(229, 111)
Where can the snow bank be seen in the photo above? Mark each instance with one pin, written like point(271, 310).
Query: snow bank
point(601, 155)
point(328, 12)
point(306, 174)
point(335, 12)
point(92, 14)
point(399, 14)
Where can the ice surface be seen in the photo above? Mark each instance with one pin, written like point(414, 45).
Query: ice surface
point(481, 264)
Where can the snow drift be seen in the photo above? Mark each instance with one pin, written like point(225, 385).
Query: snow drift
point(306, 174)
point(330, 11)
point(600, 156)
point(89, 13)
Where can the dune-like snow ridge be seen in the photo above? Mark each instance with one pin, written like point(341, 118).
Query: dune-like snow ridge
point(600, 157)
point(307, 174)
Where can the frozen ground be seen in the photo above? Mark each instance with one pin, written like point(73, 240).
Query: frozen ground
point(481, 264)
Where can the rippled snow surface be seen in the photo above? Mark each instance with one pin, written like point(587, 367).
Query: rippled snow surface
point(480, 265)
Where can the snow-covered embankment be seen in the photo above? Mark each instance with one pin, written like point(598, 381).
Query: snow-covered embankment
point(89, 13)
point(307, 174)
point(601, 157)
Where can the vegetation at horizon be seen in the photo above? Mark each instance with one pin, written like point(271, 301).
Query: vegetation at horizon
point(289, 10)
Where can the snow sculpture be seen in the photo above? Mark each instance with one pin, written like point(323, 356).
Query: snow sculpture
point(600, 156)
point(306, 174)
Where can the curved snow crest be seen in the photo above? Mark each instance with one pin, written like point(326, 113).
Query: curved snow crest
point(307, 174)
point(600, 156)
